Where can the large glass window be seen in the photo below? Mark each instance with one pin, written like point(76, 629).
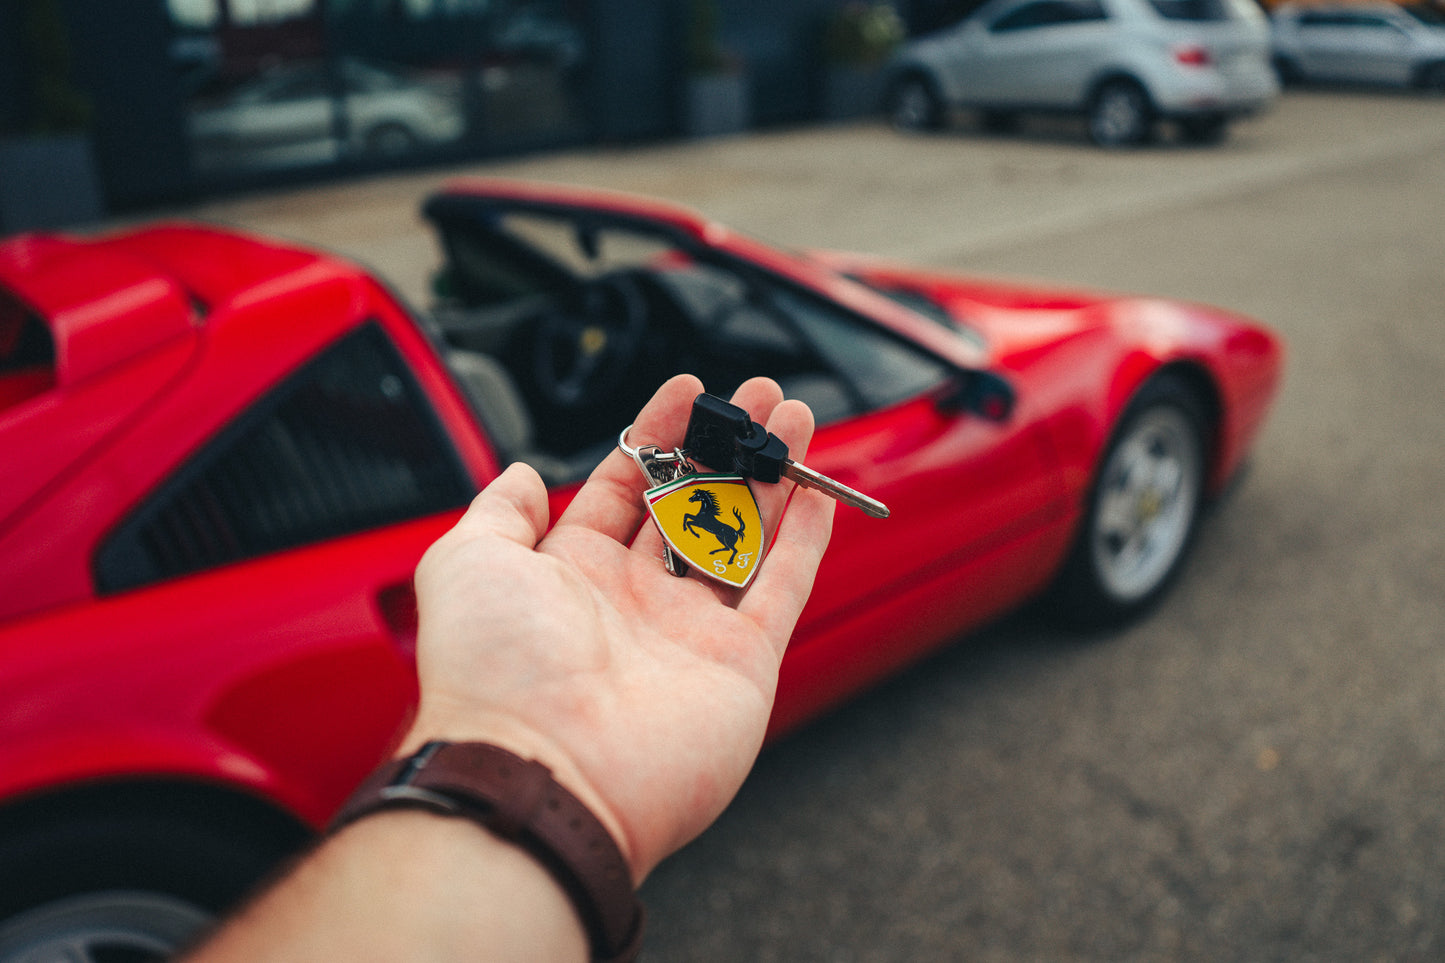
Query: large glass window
point(208, 14)
point(276, 84)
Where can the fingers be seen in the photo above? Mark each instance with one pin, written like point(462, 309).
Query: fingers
point(759, 397)
point(792, 422)
point(610, 502)
point(775, 599)
point(513, 506)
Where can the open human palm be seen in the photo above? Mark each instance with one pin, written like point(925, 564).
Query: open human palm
point(646, 694)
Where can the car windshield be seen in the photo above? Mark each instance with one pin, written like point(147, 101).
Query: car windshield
point(547, 290)
point(1426, 15)
point(920, 303)
point(1194, 10)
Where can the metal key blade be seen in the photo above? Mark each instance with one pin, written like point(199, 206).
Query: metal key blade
point(720, 434)
point(805, 476)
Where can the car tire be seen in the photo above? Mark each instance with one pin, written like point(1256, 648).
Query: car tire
point(1287, 71)
point(389, 141)
point(999, 121)
point(1204, 130)
point(1432, 78)
point(125, 884)
point(1120, 115)
point(1142, 510)
point(914, 103)
point(103, 925)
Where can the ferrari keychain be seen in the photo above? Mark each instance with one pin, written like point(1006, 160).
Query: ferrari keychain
point(710, 520)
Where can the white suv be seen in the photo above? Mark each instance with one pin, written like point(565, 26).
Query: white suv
point(1368, 43)
point(1123, 64)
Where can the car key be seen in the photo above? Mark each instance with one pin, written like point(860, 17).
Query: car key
point(723, 436)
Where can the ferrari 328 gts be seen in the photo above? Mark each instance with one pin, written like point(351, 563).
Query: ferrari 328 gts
point(225, 455)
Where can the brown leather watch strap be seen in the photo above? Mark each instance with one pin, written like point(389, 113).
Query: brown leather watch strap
point(519, 801)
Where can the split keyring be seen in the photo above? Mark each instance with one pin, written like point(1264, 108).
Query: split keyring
point(644, 454)
point(627, 449)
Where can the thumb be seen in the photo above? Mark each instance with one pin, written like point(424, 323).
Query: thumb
point(513, 506)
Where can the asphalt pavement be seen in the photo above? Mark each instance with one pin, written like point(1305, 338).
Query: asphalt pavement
point(1255, 772)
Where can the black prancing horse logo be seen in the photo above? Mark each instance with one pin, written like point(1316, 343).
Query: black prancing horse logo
point(707, 519)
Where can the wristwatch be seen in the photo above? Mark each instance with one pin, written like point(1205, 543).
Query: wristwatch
point(518, 800)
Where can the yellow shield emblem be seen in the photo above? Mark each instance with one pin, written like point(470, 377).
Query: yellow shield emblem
point(713, 522)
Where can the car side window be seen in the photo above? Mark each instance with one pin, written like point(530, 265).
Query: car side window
point(1345, 19)
point(345, 444)
point(1426, 15)
point(1197, 11)
point(1373, 23)
point(1046, 13)
point(307, 82)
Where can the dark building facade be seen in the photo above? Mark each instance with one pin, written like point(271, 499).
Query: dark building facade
point(177, 99)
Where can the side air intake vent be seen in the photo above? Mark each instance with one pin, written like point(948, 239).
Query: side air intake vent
point(346, 444)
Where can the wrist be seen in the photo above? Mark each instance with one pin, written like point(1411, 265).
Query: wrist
point(435, 722)
point(518, 801)
point(467, 888)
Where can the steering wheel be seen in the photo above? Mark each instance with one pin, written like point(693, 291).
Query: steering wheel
point(584, 350)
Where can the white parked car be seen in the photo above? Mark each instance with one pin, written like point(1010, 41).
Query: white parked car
point(290, 115)
point(1370, 43)
point(1123, 64)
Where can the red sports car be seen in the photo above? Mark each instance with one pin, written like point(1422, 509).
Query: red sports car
point(224, 456)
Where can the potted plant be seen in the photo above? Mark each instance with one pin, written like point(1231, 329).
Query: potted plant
point(717, 88)
point(47, 171)
point(858, 39)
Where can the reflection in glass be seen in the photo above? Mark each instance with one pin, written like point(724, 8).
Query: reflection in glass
point(314, 112)
point(275, 84)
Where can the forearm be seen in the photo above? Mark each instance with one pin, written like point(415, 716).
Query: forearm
point(408, 885)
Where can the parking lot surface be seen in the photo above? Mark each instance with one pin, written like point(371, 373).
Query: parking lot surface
point(1253, 773)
